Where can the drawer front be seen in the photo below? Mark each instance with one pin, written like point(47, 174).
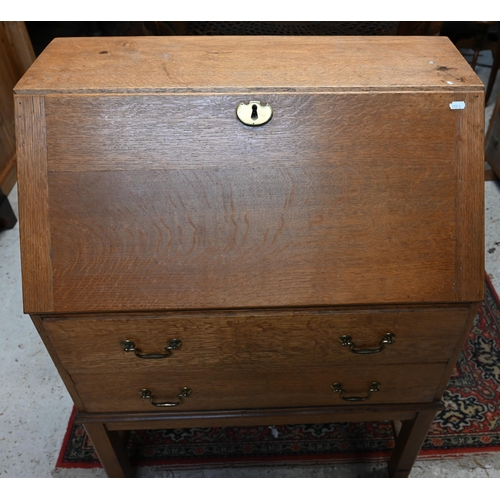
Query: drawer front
point(232, 388)
point(257, 339)
point(340, 199)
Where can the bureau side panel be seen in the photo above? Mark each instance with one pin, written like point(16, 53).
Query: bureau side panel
point(63, 373)
point(468, 325)
point(34, 204)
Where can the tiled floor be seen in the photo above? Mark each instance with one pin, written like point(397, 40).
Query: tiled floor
point(35, 407)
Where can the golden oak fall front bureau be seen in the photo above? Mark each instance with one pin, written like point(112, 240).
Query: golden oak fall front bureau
point(251, 230)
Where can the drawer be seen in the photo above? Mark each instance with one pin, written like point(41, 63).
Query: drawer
point(257, 338)
point(231, 388)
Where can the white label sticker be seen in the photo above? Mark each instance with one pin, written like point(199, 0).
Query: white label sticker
point(457, 105)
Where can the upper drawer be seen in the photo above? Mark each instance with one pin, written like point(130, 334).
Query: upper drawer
point(151, 202)
point(298, 340)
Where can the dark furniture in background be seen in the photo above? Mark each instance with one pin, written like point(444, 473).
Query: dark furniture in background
point(492, 148)
point(16, 56)
point(477, 36)
point(7, 217)
point(42, 32)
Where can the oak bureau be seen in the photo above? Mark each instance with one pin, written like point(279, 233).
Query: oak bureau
point(251, 230)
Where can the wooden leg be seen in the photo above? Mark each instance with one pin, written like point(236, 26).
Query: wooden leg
point(110, 450)
point(7, 217)
point(408, 443)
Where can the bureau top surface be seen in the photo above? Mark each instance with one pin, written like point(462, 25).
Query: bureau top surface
point(233, 64)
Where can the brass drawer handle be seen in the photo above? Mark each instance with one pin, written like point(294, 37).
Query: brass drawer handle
point(374, 387)
point(173, 344)
point(146, 394)
point(346, 340)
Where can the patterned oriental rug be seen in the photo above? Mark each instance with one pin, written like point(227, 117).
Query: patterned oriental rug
point(469, 423)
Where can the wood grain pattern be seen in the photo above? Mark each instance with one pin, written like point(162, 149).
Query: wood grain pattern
point(286, 339)
point(34, 205)
point(470, 198)
point(227, 388)
point(230, 64)
point(346, 131)
point(286, 215)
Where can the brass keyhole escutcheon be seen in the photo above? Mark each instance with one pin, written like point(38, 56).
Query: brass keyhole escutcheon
point(254, 113)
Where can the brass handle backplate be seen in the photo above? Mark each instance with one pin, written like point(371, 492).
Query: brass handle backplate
point(346, 340)
point(146, 394)
point(173, 344)
point(254, 113)
point(374, 387)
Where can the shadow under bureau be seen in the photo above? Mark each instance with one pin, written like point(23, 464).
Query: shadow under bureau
point(251, 230)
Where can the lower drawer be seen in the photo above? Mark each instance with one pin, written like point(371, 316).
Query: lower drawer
point(231, 388)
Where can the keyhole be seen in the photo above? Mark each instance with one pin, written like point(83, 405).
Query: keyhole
point(254, 116)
